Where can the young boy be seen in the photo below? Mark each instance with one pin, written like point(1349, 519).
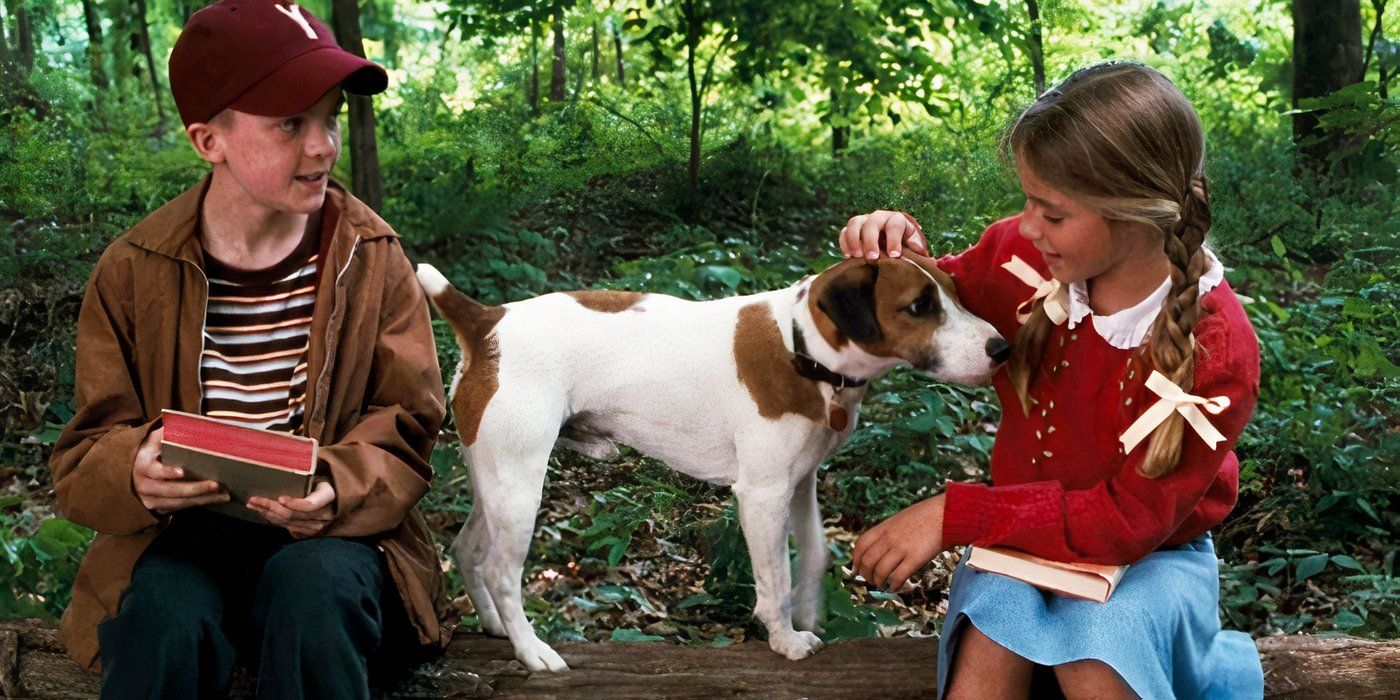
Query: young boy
point(270, 296)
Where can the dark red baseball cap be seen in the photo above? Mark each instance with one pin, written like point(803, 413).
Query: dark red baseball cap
point(263, 57)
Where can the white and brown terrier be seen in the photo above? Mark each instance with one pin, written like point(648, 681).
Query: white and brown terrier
point(751, 392)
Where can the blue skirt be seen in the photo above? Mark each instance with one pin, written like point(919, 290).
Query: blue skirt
point(1160, 630)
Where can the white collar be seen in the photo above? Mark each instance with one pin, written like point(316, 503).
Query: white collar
point(1126, 329)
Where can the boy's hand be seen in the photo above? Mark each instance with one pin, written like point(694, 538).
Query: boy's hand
point(303, 517)
point(863, 235)
point(889, 553)
point(160, 487)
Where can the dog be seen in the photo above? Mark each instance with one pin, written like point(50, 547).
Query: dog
point(752, 392)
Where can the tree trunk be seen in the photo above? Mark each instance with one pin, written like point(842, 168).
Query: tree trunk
point(5, 55)
point(692, 42)
point(1327, 57)
point(21, 35)
point(556, 69)
point(364, 149)
point(95, 54)
point(617, 49)
point(534, 67)
point(141, 40)
point(595, 51)
point(840, 135)
point(1036, 43)
point(1377, 32)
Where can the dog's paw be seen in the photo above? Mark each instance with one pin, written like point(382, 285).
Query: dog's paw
point(808, 623)
point(795, 645)
point(538, 657)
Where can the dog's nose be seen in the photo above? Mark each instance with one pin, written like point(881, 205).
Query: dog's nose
point(998, 349)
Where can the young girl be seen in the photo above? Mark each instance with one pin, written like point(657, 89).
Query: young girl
point(1134, 370)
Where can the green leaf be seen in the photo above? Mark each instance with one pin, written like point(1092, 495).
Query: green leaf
point(632, 634)
point(1311, 566)
point(616, 553)
point(1277, 244)
point(1346, 620)
point(1347, 562)
point(697, 599)
point(723, 274)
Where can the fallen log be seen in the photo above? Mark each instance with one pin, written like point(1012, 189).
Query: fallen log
point(32, 665)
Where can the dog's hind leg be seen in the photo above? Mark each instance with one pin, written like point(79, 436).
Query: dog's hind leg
point(763, 513)
point(812, 558)
point(509, 471)
point(469, 549)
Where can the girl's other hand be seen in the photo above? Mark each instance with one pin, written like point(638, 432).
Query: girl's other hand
point(890, 232)
point(889, 553)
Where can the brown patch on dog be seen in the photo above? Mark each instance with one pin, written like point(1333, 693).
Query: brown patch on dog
point(765, 368)
point(474, 324)
point(607, 301)
point(945, 280)
point(481, 364)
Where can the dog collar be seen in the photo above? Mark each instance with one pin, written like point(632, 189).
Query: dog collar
point(809, 368)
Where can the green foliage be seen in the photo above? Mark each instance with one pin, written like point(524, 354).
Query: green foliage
point(40, 560)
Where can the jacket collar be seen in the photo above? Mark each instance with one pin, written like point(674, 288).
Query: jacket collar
point(171, 230)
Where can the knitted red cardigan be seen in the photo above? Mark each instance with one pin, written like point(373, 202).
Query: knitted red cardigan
point(1063, 488)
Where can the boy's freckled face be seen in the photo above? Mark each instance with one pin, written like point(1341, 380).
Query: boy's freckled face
point(284, 163)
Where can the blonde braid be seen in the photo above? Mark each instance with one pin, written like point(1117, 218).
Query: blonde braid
point(1172, 343)
point(1026, 349)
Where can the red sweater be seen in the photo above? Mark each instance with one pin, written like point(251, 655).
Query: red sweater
point(1062, 487)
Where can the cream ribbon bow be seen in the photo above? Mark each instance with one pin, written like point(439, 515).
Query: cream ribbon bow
point(1174, 399)
point(1056, 294)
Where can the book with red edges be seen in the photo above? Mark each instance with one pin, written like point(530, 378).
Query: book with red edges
point(245, 461)
point(1087, 581)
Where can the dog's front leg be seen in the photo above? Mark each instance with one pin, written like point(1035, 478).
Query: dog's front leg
point(763, 514)
point(812, 557)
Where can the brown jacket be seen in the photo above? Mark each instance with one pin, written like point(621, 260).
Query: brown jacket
point(374, 400)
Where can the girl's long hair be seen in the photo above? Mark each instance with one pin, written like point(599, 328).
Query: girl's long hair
point(1123, 140)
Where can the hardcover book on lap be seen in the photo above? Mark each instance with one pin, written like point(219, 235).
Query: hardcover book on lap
point(245, 461)
point(1087, 581)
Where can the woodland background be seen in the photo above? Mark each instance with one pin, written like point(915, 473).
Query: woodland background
point(711, 147)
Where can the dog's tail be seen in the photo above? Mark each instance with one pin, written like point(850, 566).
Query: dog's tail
point(468, 317)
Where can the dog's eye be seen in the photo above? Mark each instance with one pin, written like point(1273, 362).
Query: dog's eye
point(922, 306)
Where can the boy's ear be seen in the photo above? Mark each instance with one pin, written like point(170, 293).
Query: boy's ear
point(206, 140)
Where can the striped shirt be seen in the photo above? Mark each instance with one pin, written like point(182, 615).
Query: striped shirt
point(256, 337)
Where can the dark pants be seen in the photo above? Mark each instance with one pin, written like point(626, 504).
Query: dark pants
point(309, 614)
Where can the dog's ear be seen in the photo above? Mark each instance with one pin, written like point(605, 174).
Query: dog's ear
point(848, 299)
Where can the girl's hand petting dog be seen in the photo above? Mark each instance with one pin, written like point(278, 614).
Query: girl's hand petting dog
point(889, 553)
point(162, 488)
point(303, 517)
point(864, 236)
